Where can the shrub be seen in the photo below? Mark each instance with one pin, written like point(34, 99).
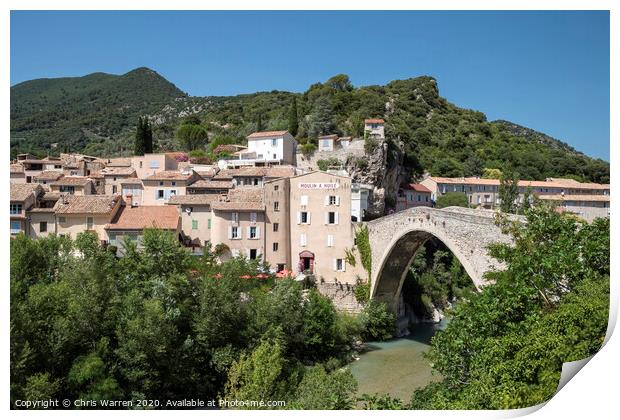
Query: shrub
point(370, 145)
point(362, 292)
point(308, 149)
point(325, 164)
point(452, 199)
point(379, 324)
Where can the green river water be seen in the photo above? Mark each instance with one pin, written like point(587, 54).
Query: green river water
point(397, 367)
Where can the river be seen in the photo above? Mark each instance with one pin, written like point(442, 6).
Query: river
point(397, 367)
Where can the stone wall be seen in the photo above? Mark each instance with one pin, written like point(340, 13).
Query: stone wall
point(341, 294)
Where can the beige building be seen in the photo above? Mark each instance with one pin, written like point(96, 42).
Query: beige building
point(321, 227)
point(79, 213)
point(238, 222)
point(74, 185)
point(196, 217)
point(159, 187)
point(152, 163)
point(17, 173)
point(129, 222)
point(585, 206)
point(210, 187)
point(278, 223)
point(374, 128)
point(327, 143)
point(114, 176)
point(23, 198)
point(46, 177)
point(413, 195)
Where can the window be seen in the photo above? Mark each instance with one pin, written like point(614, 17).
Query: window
point(304, 200)
point(276, 187)
point(89, 223)
point(275, 156)
point(419, 197)
point(331, 218)
point(161, 183)
point(141, 164)
point(113, 189)
point(274, 142)
point(160, 194)
point(303, 241)
point(280, 267)
point(234, 232)
point(234, 216)
point(325, 143)
point(252, 232)
point(154, 164)
point(333, 200)
point(275, 247)
point(330, 240)
point(62, 219)
point(276, 206)
point(339, 264)
point(16, 226)
point(304, 219)
point(194, 224)
point(253, 254)
point(42, 227)
point(253, 217)
point(275, 227)
point(254, 181)
point(16, 209)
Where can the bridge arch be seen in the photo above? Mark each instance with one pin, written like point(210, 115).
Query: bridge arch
point(396, 238)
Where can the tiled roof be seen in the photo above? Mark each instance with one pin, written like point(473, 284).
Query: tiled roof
point(224, 174)
point(52, 196)
point(278, 171)
point(230, 148)
point(373, 121)
point(96, 175)
point(118, 171)
point(118, 162)
point(550, 183)
point(41, 210)
point(17, 168)
point(242, 198)
point(261, 134)
point(208, 184)
point(195, 199)
point(72, 180)
point(281, 171)
point(329, 136)
point(49, 175)
point(418, 188)
point(21, 192)
point(171, 175)
point(86, 204)
point(141, 217)
point(576, 197)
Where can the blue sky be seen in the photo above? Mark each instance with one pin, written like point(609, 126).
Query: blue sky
point(545, 70)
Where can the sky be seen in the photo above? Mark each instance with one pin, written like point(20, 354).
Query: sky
point(545, 70)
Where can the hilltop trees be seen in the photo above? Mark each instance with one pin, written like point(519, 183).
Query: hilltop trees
point(143, 140)
point(293, 118)
point(192, 136)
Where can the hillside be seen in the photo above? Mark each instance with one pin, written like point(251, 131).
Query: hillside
point(425, 132)
point(76, 112)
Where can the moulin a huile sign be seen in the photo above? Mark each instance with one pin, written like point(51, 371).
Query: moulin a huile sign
point(318, 185)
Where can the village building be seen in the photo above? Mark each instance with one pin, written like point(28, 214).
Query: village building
point(23, 198)
point(34, 167)
point(79, 213)
point(360, 199)
point(74, 185)
point(278, 223)
point(585, 206)
point(327, 143)
point(45, 177)
point(196, 218)
point(238, 223)
point(151, 163)
point(159, 187)
point(345, 141)
point(129, 223)
point(413, 195)
point(17, 173)
point(265, 148)
point(321, 228)
point(374, 128)
point(210, 187)
point(114, 177)
point(42, 218)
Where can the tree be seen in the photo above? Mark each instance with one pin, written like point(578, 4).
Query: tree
point(140, 139)
point(491, 173)
point(148, 136)
point(320, 390)
point(293, 119)
point(473, 166)
point(378, 322)
point(452, 199)
point(192, 136)
point(259, 122)
point(508, 191)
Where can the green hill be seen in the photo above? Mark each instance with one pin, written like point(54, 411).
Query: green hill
point(96, 114)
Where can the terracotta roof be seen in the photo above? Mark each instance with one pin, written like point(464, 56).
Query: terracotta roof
point(171, 175)
point(72, 180)
point(262, 134)
point(17, 168)
point(41, 210)
point(281, 171)
point(214, 185)
point(242, 198)
point(576, 197)
point(52, 196)
point(49, 175)
point(550, 183)
point(141, 217)
point(195, 199)
point(21, 192)
point(96, 174)
point(418, 188)
point(374, 121)
point(329, 136)
point(278, 171)
point(86, 204)
point(224, 174)
point(118, 171)
point(230, 148)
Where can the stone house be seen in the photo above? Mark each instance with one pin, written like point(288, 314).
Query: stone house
point(22, 198)
point(374, 128)
point(74, 185)
point(79, 213)
point(159, 187)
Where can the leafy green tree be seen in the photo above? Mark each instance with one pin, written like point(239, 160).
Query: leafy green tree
point(320, 328)
point(293, 119)
point(320, 390)
point(378, 322)
point(192, 136)
point(508, 191)
point(452, 199)
point(491, 173)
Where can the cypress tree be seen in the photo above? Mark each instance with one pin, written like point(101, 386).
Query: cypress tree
point(148, 136)
point(259, 123)
point(139, 144)
point(293, 122)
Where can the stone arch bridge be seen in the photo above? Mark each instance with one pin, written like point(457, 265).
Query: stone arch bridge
point(394, 240)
